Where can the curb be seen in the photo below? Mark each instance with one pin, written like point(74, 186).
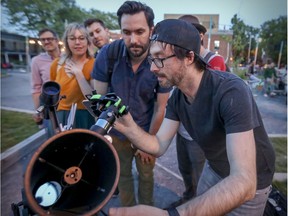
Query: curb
point(17, 110)
point(280, 177)
point(277, 135)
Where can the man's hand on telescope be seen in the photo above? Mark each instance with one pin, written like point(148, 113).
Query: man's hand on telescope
point(124, 123)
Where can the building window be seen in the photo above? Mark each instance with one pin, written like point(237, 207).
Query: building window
point(3, 45)
point(216, 44)
point(14, 45)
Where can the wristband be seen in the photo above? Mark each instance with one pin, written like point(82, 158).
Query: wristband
point(173, 212)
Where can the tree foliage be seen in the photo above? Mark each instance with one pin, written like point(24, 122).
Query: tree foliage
point(37, 14)
point(31, 16)
point(241, 39)
point(269, 37)
point(273, 33)
point(110, 19)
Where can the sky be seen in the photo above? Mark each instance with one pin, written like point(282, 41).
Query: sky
point(252, 12)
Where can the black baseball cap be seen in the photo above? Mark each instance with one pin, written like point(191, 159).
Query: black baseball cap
point(178, 33)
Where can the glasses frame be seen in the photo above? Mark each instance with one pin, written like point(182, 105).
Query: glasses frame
point(73, 39)
point(49, 39)
point(159, 61)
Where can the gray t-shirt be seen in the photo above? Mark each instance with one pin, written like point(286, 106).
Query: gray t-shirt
point(224, 104)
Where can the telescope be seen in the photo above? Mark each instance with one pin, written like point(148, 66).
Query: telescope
point(50, 98)
point(76, 171)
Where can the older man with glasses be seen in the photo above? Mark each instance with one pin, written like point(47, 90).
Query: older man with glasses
point(40, 68)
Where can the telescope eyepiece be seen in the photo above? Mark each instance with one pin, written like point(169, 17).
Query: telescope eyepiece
point(50, 93)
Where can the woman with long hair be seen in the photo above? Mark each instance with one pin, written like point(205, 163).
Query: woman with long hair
point(72, 72)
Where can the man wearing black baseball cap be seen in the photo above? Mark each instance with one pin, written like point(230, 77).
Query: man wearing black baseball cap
point(219, 112)
point(190, 156)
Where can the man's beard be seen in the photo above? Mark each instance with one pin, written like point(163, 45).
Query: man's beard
point(174, 80)
point(139, 53)
point(167, 84)
point(164, 82)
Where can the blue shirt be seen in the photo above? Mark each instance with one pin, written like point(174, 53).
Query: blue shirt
point(137, 90)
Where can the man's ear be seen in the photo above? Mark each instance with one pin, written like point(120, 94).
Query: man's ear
point(151, 30)
point(201, 36)
point(190, 57)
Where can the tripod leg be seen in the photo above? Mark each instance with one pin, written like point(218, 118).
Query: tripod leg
point(15, 209)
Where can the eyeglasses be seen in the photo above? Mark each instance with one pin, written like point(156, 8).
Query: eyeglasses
point(73, 39)
point(159, 61)
point(50, 39)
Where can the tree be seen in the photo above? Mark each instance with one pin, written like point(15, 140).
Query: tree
point(110, 19)
point(241, 39)
point(252, 35)
point(273, 33)
point(37, 14)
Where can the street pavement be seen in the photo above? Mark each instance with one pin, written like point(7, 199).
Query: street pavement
point(15, 94)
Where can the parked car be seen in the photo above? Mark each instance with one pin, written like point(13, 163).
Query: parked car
point(6, 65)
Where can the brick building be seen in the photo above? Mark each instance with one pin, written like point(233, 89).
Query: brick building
point(215, 39)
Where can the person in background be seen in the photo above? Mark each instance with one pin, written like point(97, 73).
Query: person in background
point(190, 156)
point(220, 114)
point(100, 36)
point(40, 70)
point(251, 67)
point(98, 33)
point(252, 80)
point(139, 89)
point(270, 75)
point(72, 71)
point(216, 61)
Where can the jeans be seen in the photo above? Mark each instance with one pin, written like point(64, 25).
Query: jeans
point(126, 181)
point(191, 160)
point(253, 207)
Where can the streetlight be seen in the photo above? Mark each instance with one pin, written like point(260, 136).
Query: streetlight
point(27, 49)
point(280, 54)
point(249, 49)
point(27, 53)
point(258, 40)
point(32, 41)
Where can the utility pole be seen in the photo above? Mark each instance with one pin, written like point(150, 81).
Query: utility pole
point(27, 54)
point(280, 54)
point(249, 49)
point(256, 50)
point(210, 30)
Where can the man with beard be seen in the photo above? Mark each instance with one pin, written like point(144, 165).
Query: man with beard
point(133, 82)
point(98, 33)
point(220, 113)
